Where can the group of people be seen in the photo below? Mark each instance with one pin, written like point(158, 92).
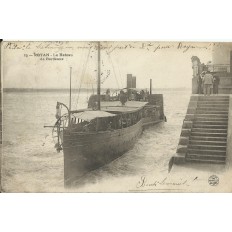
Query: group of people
point(208, 83)
point(135, 95)
point(129, 95)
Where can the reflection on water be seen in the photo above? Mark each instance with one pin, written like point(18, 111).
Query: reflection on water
point(31, 164)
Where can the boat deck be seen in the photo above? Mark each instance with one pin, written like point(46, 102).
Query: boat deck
point(116, 106)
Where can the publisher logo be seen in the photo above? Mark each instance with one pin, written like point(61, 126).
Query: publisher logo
point(213, 180)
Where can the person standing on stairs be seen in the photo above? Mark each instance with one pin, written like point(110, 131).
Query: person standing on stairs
point(216, 82)
point(199, 83)
point(207, 83)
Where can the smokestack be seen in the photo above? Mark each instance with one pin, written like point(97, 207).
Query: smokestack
point(131, 81)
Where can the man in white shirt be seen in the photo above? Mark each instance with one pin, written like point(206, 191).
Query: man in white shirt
point(207, 83)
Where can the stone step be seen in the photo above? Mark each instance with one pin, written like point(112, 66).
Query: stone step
point(216, 108)
point(217, 96)
point(207, 147)
point(194, 97)
point(215, 104)
point(209, 122)
point(219, 105)
point(221, 112)
point(206, 152)
point(210, 126)
point(206, 158)
point(205, 134)
point(212, 98)
point(206, 119)
point(209, 130)
point(205, 99)
point(213, 116)
point(208, 138)
point(207, 142)
point(213, 108)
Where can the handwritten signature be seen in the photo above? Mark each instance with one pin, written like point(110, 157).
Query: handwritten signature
point(144, 182)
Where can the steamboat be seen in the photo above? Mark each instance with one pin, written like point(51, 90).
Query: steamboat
point(106, 129)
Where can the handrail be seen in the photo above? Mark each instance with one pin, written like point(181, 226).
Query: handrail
point(219, 67)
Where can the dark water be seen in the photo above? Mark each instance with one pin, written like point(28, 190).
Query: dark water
point(31, 164)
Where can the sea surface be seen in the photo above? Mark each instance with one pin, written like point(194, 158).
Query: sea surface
point(30, 162)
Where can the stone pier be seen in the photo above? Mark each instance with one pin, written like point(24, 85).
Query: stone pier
point(206, 135)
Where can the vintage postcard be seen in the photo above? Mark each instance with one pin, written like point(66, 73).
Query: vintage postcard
point(116, 116)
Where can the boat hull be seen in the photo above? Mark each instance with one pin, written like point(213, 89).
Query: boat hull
point(86, 152)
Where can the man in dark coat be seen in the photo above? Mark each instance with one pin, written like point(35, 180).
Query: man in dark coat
point(122, 97)
point(216, 81)
point(199, 82)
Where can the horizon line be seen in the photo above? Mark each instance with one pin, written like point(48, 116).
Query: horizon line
point(89, 88)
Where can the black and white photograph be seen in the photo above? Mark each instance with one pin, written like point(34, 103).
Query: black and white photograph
point(116, 116)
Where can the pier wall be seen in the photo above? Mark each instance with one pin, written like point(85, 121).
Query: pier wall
point(179, 157)
point(229, 136)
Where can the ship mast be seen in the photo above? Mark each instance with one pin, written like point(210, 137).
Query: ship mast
point(70, 96)
point(150, 86)
point(70, 89)
point(99, 78)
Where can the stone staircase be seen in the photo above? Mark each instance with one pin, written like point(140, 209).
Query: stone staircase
point(208, 137)
point(204, 133)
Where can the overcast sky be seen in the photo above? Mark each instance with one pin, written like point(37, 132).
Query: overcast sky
point(167, 63)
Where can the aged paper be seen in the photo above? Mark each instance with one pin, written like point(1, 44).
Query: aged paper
point(116, 116)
